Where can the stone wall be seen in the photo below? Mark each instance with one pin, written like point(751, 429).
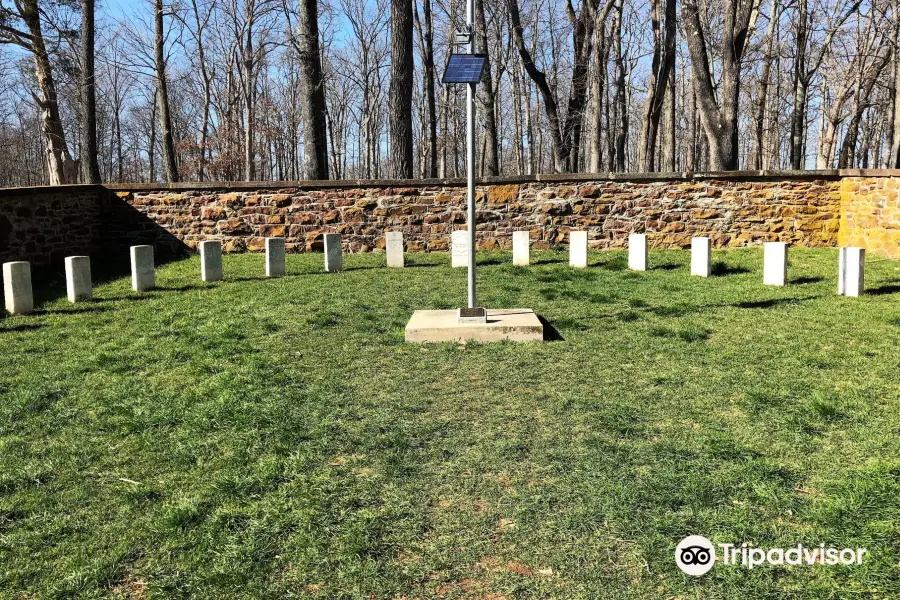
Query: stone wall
point(816, 209)
point(870, 214)
point(44, 225)
point(732, 211)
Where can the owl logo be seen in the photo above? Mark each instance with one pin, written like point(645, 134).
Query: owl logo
point(695, 555)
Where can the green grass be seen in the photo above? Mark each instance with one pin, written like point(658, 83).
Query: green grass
point(277, 438)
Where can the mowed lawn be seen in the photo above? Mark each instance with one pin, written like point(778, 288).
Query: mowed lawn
point(263, 438)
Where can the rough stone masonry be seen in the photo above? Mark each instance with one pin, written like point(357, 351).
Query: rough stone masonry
point(813, 209)
point(731, 212)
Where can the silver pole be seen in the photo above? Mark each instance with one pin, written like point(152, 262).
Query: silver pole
point(470, 155)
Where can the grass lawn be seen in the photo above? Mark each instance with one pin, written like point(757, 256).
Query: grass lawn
point(277, 438)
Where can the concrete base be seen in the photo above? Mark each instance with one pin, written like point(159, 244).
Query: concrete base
point(513, 324)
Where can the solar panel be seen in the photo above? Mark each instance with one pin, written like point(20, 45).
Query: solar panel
point(465, 68)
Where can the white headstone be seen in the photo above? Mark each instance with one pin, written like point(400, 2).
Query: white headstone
point(275, 257)
point(521, 244)
point(78, 278)
point(775, 263)
point(851, 271)
point(637, 251)
point(211, 260)
point(143, 269)
point(701, 256)
point(17, 292)
point(459, 248)
point(578, 245)
point(334, 260)
point(393, 246)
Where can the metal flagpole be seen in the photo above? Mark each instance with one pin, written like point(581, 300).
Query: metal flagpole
point(470, 155)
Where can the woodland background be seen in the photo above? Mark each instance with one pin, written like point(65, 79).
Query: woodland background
point(225, 90)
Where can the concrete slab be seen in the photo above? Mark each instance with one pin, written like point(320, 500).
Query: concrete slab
point(513, 324)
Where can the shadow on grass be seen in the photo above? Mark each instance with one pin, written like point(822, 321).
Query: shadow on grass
point(665, 267)
point(771, 303)
point(550, 261)
point(551, 334)
point(22, 327)
point(805, 280)
point(492, 261)
point(93, 307)
point(884, 290)
point(721, 269)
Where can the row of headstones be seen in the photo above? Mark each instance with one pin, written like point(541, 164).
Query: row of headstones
point(19, 298)
point(851, 260)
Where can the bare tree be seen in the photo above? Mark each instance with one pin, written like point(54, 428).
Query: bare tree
point(312, 90)
point(61, 167)
point(719, 118)
point(400, 92)
point(663, 63)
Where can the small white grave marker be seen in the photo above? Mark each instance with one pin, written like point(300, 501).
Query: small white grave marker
point(143, 270)
point(521, 247)
point(78, 278)
point(775, 263)
point(701, 256)
point(17, 292)
point(211, 260)
point(393, 246)
point(851, 271)
point(459, 248)
point(637, 251)
point(334, 260)
point(578, 245)
point(275, 266)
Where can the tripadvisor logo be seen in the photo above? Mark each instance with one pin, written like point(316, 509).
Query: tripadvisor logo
point(696, 555)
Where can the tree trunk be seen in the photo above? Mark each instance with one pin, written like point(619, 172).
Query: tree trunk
point(162, 98)
point(720, 123)
point(312, 93)
point(60, 166)
point(400, 92)
point(90, 168)
point(488, 95)
point(663, 61)
point(759, 107)
point(428, 66)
